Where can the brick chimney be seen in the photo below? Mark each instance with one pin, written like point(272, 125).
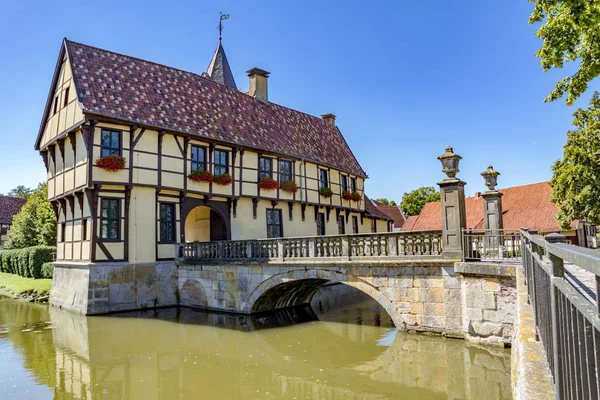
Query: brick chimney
point(329, 118)
point(259, 84)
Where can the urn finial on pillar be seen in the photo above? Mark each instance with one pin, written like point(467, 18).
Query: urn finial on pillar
point(452, 195)
point(450, 162)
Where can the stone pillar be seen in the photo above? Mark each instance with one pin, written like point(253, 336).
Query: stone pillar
point(454, 216)
point(492, 210)
point(492, 204)
point(452, 196)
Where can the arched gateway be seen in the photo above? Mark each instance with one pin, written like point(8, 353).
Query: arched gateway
point(205, 220)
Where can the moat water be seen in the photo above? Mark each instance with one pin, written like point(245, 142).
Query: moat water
point(343, 347)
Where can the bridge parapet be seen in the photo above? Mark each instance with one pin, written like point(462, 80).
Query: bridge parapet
point(566, 322)
point(361, 247)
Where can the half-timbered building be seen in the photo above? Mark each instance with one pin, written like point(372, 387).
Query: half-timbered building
point(141, 156)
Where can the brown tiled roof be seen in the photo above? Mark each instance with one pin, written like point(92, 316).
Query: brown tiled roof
point(9, 206)
point(393, 212)
point(135, 90)
point(372, 209)
point(527, 206)
point(410, 222)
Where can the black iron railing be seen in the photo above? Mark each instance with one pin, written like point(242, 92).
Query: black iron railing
point(567, 323)
point(491, 245)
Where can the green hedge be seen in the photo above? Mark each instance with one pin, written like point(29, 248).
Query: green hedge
point(47, 269)
point(26, 262)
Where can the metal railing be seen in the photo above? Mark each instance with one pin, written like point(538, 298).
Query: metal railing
point(488, 245)
point(392, 245)
point(567, 324)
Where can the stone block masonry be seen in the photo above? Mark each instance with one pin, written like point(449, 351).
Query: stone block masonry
point(462, 302)
point(436, 296)
point(109, 287)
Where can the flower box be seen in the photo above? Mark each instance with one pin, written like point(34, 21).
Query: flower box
point(111, 163)
point(199, 175)
point(223, 179)
point(267, 183)
point(347, 195)
point(356, 196)
point(326, 192)
point(289, 186)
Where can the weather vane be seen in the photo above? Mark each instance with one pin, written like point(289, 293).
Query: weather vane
point(222, 17)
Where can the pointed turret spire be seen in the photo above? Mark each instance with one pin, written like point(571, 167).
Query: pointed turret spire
point(218, 69)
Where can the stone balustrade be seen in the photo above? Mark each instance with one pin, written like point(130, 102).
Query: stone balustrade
point(361, 247)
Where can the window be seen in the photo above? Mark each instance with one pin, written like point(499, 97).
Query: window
point(220, 162)
point(66, 99)
point(83, 230)
point(354, 224)
point(111, 143)
point(110, 215)
point(3, 230)
point(323, 178)
point(353, 185)
point(373, 226)
point(167, 222)
point(55, 104)
point(320, 224)
point(274, 228)
point(63, 232)
point(341, 225)
point(198, 158)
point(344, 183)
point(285, 171)
point(265, 168)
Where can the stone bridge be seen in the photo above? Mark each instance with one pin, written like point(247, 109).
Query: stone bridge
point(406, 273)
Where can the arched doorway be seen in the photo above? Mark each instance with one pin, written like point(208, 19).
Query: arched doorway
point(205, 220)
point(204, 224)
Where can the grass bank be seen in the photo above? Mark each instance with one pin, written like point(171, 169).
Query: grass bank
point(29, 289)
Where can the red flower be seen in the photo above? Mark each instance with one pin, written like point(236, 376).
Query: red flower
point(223, 179)
point(111, 163)
point(200, 175)
point(347, 195)
point(289, 186)
point(356, 196)
point(267, 183)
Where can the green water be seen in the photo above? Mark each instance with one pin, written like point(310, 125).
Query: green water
point(47, 353)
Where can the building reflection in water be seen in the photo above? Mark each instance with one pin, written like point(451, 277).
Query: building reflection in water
point(181, 354)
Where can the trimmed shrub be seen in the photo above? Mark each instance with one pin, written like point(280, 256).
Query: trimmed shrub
point(47, 269)
point(26, 262)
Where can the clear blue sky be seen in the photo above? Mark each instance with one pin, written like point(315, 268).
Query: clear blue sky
point(405, 79)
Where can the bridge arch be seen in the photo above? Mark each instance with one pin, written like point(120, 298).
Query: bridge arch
point(296, 287)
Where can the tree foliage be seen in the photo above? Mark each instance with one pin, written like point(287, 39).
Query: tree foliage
point(576, 178)
point(21, 191)
point(570, 31)
point(35, 224)
point(413, 201)
point(387, 202)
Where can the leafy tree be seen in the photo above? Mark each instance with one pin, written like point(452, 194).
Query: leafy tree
point(413, 201)
point(35, 224)
point(576, 178)
point(387, 202)
point(569, 31)
point(21, 191)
